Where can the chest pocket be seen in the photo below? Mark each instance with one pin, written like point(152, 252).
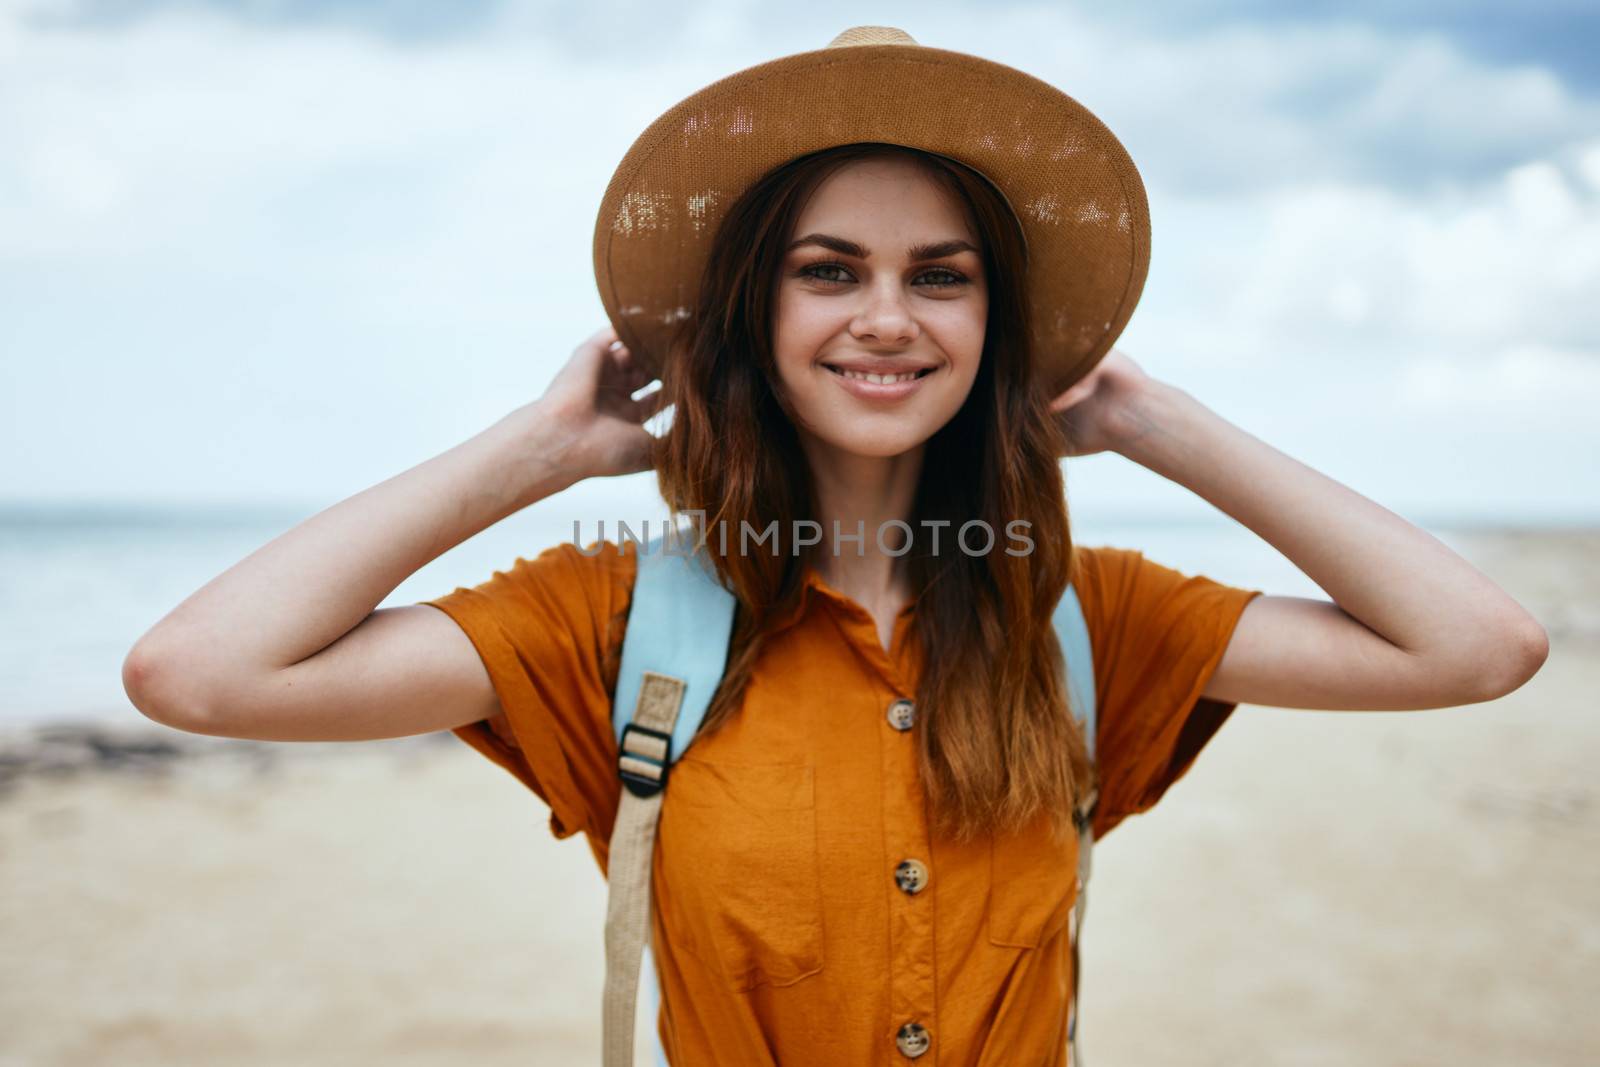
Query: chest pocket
point(741, 886)
point(1033, 885)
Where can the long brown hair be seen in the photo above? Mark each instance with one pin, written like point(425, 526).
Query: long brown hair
point(997, 744)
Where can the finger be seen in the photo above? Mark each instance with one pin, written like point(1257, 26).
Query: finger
point(634, 370)
point(601, 339)
point(648, 405)
point(614, 367)
point(640, 377)
point(635, 373)
point(1070, 397)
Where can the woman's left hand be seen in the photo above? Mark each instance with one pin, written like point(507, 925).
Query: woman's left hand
point(1099, 412)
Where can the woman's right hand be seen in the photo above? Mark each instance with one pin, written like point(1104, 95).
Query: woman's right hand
point(289, 644)
point(591, 401)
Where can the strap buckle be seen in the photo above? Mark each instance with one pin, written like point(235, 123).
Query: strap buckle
point(643, 759)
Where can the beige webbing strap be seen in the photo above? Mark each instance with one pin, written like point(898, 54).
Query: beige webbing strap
point(643, 762)
point(1085, 821)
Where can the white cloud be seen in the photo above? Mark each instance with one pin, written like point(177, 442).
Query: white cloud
point(1376, 274)
point(321, 254)
point(1540, 198)
point(1541, 381)
point(1588, 166)
point(1249, 106)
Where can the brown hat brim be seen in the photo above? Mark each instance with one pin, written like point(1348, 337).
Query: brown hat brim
point(1074, 189)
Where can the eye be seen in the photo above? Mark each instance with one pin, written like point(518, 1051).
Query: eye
point(815, 272)
point(952, 277)
point(934, 278)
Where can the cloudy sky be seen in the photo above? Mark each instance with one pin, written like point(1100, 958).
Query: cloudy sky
point(277, 251)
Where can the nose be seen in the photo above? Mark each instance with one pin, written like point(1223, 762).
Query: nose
point(884, 316)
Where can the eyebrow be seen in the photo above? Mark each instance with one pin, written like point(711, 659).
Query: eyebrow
point(933, 250)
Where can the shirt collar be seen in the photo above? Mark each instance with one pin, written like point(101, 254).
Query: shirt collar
point(812, 586)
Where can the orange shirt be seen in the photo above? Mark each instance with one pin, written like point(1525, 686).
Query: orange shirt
point(780, 932)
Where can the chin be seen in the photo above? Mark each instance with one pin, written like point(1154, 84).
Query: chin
point(874, 446)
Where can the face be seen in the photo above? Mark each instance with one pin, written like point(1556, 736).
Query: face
point(882, 276)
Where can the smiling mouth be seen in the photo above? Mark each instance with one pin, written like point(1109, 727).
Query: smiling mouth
point(881, 379)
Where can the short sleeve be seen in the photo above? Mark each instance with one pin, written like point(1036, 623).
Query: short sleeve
point(549, 632)
point(1157, 636)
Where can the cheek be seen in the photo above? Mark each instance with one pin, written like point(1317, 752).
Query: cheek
point(799, 321)
point(801, 328)
point(960, 334)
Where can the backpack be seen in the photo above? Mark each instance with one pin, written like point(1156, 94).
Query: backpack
point(673, 656)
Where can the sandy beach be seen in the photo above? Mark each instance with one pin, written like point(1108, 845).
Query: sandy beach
point(1323, 888)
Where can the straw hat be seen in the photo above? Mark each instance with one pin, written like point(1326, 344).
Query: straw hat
point(1071, 184)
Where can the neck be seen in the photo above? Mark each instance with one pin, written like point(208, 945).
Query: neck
point(862, 494)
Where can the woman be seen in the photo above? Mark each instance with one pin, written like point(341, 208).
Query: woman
point(861, 857)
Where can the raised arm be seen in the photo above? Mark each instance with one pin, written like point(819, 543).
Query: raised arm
point(288, 643)
point(1410, 625)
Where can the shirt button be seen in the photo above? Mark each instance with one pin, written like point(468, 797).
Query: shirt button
point(913, 1040)
point(901, 714)
point(911, 876)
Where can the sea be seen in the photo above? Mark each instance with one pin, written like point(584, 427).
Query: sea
point(79, 585)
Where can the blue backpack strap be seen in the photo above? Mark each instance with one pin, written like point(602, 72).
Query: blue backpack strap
point(679, 623)
point(674, 652)
point(1072, 631)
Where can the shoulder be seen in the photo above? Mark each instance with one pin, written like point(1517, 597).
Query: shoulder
point(601, 570)
point(597, 562)
point(576, 594)
point(1092, 564)
point(595, 579)
point(1102, 575)
point(1124, 578)
point(596, 584)
point(1129, 597)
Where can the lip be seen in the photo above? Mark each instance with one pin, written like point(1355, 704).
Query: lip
point(878, 391)
point(878, 365)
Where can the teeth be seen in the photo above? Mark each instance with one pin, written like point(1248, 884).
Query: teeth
point(878, 379)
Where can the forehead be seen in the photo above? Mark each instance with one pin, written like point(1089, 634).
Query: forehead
point(884, 196)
